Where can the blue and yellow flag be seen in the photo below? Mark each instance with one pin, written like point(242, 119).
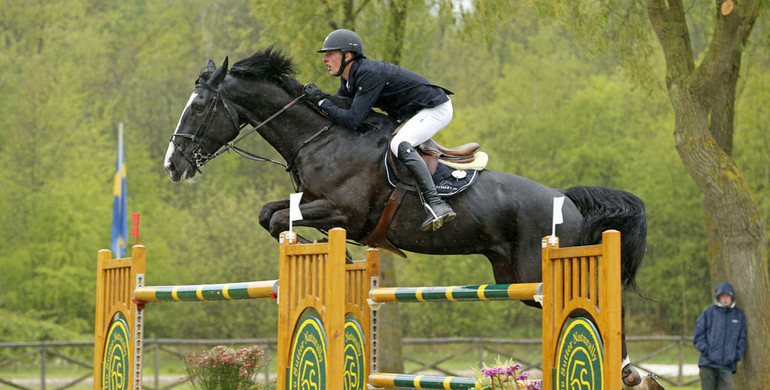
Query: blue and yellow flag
point(119, 203)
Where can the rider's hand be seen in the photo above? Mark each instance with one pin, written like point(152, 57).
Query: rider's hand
point(314, 94)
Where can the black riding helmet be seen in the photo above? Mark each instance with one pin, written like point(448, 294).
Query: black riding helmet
point(346, 41)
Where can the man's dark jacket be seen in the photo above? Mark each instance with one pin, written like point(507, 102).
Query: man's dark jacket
point(720, 333)
point(399, 92)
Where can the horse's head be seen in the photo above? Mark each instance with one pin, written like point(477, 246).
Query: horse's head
point(208, 121)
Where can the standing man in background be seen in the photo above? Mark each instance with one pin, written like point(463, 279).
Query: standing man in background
point(720, 336)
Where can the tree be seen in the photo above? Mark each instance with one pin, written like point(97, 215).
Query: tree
point(703, 99)
point(702, 94)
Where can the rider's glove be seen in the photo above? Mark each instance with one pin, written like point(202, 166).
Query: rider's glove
point(313, 94)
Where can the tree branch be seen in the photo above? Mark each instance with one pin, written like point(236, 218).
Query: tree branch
point(716, 77)
point(669, 23)
point(730, 34)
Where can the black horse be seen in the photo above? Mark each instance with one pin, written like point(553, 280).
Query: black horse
point(341, 173)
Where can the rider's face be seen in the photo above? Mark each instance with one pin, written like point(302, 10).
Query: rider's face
point(333, 61)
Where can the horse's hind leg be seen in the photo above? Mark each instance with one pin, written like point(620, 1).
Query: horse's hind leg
point(630, 375)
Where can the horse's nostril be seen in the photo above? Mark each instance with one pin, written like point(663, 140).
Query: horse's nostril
point(168, 166)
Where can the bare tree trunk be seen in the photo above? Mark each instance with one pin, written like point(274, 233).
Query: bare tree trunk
point(703, 101)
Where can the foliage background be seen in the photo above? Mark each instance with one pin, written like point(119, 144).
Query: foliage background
point(542, 104)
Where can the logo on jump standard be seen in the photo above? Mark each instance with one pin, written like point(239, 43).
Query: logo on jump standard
point(355, 356)
point(579, 358)
point(116, 360)
point(307, 368)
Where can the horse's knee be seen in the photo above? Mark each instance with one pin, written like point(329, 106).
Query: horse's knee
point(279, 222)
point(268, 211)
point(265, 215)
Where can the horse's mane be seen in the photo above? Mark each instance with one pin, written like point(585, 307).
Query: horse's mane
point(268, 64)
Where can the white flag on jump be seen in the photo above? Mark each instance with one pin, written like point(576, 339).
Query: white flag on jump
point(557, 203)
point(294, 213)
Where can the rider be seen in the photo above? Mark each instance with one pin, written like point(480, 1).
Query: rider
point(402, 94)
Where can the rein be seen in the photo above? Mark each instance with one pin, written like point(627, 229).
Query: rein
point(199, 159)
point(243, 153)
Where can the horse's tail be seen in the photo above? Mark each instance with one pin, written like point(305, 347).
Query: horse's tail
point(605, 208)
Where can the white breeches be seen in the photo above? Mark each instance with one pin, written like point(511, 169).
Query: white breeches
point(423, 125)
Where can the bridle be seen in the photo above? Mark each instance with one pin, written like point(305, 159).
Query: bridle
point(199, 159)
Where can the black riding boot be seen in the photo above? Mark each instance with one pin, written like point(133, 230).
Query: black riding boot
point(438, 211)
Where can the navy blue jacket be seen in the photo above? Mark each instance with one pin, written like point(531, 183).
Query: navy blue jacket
point(397, 91)
point(720, 333)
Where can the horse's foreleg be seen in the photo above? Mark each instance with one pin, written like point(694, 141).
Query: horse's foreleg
point(267, 212)
point(317, 214)
point(266, 216)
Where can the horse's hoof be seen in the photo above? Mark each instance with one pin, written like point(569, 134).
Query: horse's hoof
point(650, 382)
point(631, 377)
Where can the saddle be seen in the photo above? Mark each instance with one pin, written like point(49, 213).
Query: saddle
point(463, 157)
point(431, 151)
point(459, 157)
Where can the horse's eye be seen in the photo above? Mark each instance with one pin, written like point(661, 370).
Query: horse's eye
point(198, 106)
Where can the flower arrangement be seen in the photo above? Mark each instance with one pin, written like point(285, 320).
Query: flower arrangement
point(223, 368)
point(505, 376)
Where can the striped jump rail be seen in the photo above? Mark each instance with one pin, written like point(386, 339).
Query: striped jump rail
point(207, 292)
point(404, 381)
point(484, 292)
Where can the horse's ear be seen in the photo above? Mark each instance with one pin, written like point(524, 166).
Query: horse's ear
point(211, 66)
point(219, 74)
